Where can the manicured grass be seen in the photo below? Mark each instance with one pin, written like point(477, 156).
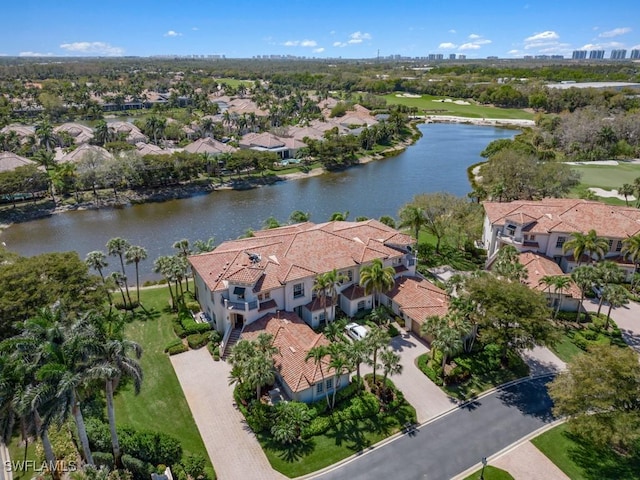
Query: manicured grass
point(433, 107)
point(234, 82)
point(490, 473)
point(608, 176)
point(565, 349)
point(161, 405)
point(581, 461)
point(16, 452)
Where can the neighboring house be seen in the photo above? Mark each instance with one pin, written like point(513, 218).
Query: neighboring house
point(243, 280)
point(129, 131)
point(85, 151)
point(22, 131)
point(267, 142)
point(149, 149)
point(539, 266)
point(543, 226)
point(303, 380)
point(209, 146)
point(80, 133)
point(415, 299)
point(9, 161)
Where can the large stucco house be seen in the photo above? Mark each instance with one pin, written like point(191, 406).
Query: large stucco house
point(543, 226)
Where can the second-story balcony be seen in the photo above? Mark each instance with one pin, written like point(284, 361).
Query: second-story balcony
point(510, 239)
point(242, 306)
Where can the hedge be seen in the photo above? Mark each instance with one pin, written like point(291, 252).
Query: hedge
point(139, 469)
point(178, 349)
point(172, 344)
point(198, 340)
point(102, 459)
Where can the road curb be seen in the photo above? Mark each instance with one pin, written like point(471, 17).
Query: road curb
point(509, 448)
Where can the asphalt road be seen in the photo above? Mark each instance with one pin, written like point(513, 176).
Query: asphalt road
point(457, 441)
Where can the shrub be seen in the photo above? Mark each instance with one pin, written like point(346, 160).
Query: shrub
point(178, 349)
point(425, 367)
point(214, 350)
point(194, 465)
point(99, 435)
point(102, 459)
point(393, 331)
point(192, 327)
point(259, 416)
point(458, 374)
point(198, 340)
point(139, 470)
point(590, 335)
point(400, 321)
point(193, 306)
point(347, 392)
point(178, 328)
point(172, 344)
point(243, 394)
point(215, 337)
point(580, 342)
point(364, 406)
point(318, 426)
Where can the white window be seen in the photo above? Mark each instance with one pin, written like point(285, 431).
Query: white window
point(298, 290)
point(560, 242)
point(532, 237)
point(319, 387)
point(329, 383)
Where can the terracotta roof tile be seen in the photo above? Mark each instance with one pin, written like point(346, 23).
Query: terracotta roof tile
point(539, 266)
point(419, 298)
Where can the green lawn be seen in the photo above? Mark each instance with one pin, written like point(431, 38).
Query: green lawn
point(161, 405)
point(490, 473)
point(429, 104)
point(16, 452)
point(234, 82)
point(608, 176)
point(565, 349)
point(581, 461)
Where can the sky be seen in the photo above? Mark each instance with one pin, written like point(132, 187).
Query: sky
point(320, 28)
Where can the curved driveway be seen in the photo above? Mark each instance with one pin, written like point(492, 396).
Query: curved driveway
point(455, 442)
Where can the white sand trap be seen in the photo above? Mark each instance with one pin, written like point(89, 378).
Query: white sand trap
point(595, 162)
point(610, 194)
point(461, 102)
point(408, 95)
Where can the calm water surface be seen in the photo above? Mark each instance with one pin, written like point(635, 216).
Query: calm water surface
point(437, 162)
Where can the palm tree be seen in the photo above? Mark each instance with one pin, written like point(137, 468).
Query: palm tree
point(321, 285)
point(339, 216)
point(584, 278)
point(135, 254)
point(319, 356)
point(626, 191)
point(616, 296)
point(339, 364)
point(101, 132)
point(631, 250)
point(390, 364)
point(448, 341)
point(375, 278)
point(117, 247)
point(116, 362)
point(298, 216)
point(607, 273)
point(260, 372)
point(333, 279)
point(356, 353)
point(590, 244)
point(432, 327)
point(184, 250)
point(44, 132)
point(376, 340)
point(98, 261)
point(412, 217)
point(163, 266)
point(203, 246)
point(560, 283)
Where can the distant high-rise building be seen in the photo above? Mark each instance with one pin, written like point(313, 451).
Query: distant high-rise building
point(596, 54)
point(557, 57)
point(452, 56)
point(635, 54)
point(462, 57)
point(579, 55)
point(620, 54)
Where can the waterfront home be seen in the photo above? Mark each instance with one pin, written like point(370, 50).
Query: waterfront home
point(209, 146)
point(78, 132)
point(9, 161)
point(243, 280)
point(84, 152)
point(543, 226)
point(268, 142)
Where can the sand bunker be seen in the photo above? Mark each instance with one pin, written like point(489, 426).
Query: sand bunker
point(408, 95)
point(448, 100)
point(610, 194)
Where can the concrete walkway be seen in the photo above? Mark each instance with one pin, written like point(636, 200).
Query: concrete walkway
point(541, 360)
point(425, 396)
point(231, 445)
point(526, 462)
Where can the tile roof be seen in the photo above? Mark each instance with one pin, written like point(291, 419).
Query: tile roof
point(209, 145)
point(565, 215)
point(294, 339)
point(539, 266)
point(419, 298)
point(297, 251)
point(9, 161)
point(150, 149)
point(262, 140)
point(80, 133)
point(83, 150)
point(353, 292)
point(21, 130)
point(132, 132)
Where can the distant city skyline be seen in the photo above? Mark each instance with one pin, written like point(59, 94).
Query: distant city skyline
point(328, 29)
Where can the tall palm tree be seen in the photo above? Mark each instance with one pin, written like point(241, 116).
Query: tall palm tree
point(432, 327)
point(339, 216)
point(115, 362)
point(448, 341)
point(184, 250)
point(390, 364)
point(45, 135)
point(136, 254)
point(321, 286)
point(631, 249)
point(584, 277)
point(101, 132)
point(588, 243)
point(375, 278)
point(339, 365)
point(376, 340)
point(413, 217)
point(319, 355)
point(163, 266)
point(98, 261)
point(357, 353)
point(260, 372)
point(334, 279)
point(607, 273)
point(616, 296)
point(560, 283)
point(117, 247)
point(626, 191)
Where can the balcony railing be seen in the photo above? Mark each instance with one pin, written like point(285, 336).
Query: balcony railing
point(509, 238)
point(244, 306)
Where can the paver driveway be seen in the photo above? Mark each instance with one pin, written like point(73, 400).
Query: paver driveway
point(231, 445)
point(422, 393)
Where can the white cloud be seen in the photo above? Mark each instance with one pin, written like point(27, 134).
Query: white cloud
point(358, 37)
point(476, 42)
point(35, 54)
point(452, 31)
point(318, 50)
point(616, 32)
point(602, 46)
point(513, 52)
point(172, 33)
point(195, 29)
point(469, 46)
point(447, 45)
point(473, 36)
point(93, 48)
point(332, 32)
point(546, 35)
point(636, 47)
point(300, 43)
point(339, 44)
